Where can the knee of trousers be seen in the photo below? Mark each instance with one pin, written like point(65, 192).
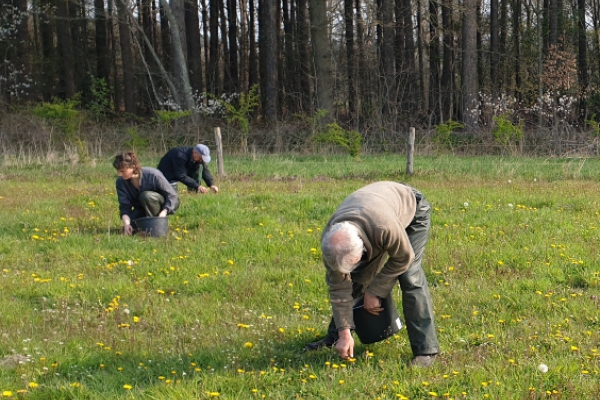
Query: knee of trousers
point(412, 279)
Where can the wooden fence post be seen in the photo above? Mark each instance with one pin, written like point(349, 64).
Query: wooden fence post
point(410, 151)
point(220, 166)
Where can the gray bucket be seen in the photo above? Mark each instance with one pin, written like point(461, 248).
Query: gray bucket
point(153, 226)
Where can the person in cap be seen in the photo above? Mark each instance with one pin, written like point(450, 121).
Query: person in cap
point(375, 238)
point(182, 164)
point(142, 191)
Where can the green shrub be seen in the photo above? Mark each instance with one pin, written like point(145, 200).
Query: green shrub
point(505, 132)
point(61, 115)
point(594, 125)
point(443, 133)
point(351, 141)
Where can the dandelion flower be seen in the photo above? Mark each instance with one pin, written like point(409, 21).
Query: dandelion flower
point(127, 387)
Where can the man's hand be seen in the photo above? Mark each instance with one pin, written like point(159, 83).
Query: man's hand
point(345, 344)
point(214, 189)
point(202, 189)
point(163, 213)
point(372, 304)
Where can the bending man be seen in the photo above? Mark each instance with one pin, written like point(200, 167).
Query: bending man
point(182, 164)
point(377, 237)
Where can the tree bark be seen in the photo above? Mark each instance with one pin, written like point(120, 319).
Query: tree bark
point(180, 65)
point(66, 46)
point(388, 90)
point(233, 45)
point(268, 58)
point(434, 63)
point(321, 54)
point(253, 53)
point(225, 55)
point(448, 66)
point(469, 64)
point(516, 27)
point(582, 66)
point(213, 63)
point(304, 54)
point(126, 57)
point(494, 59)
point(350, 56)
point(192, 29)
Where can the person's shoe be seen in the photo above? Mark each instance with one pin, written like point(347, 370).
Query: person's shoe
point(327, 341)
point(423, 361)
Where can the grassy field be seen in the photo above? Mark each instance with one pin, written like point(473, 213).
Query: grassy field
point(223, 307)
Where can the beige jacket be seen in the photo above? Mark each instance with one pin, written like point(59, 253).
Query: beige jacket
point(381, 211)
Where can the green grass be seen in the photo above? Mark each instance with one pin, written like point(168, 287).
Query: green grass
point(225, 304)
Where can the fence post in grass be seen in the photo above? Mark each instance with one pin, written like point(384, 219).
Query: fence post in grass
point(220, 167)
point(410, 151)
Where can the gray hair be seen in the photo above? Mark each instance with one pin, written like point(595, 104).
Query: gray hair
point(342, 246)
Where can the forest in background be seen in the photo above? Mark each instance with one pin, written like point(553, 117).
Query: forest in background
point(520, 75)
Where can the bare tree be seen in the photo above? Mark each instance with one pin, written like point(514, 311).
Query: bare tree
point(350, 56)
point(192, 29)
point(66, 46)
point(268, 23)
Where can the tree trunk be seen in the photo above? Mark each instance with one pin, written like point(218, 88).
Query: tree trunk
point(553, 23)
point(364, 78)
point(253, 53)
point(388, 90)
point(268, 23)
point(225, 55)
point(205, 38)
point(321, 54)
point(66, 46)
point(288, 74)
point(516, 27)
point(165, 36)
point(180, 66)
point(494, 59)
point(192, 29)
point(304, 54)
point(244, 62)
point(434, 63)
point(213, 64)
point(469, 64)
point(448, 66)
point(233, 45)
point(582, 67)
point(126, 57)
point(22, 36)
point(350, 56)
point(502, 46)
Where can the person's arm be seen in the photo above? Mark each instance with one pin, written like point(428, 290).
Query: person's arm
point(340, 297)
point(208, 178)
point(125, 207)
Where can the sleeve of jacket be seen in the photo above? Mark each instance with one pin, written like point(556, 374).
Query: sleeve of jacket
point(396, 243)
point(125, 205)
point(171, 199)
point(180, 172)
point(206, 175)
point(340, 297)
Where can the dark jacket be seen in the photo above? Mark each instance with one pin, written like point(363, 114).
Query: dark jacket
point(177, 166)
point(152, 180)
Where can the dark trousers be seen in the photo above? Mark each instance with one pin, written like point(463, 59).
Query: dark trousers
point(417, 305)
point(151, 205)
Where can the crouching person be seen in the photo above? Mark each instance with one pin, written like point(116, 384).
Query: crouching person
point(142, 191)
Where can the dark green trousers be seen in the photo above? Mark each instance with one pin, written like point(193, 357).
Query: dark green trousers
point(417, 305)
point(152, 203)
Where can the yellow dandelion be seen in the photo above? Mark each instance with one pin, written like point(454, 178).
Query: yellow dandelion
point(248, 344)
point(7, 393)
point(33, 385)
point(127, 387)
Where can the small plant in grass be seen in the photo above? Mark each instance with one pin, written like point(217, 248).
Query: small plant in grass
point(443, 133)
point(506, 133)
point(351, 141)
